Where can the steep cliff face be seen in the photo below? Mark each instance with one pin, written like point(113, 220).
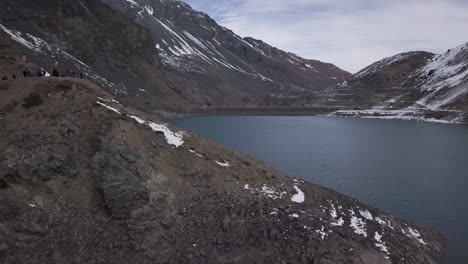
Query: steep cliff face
point(87, 37)
point(85, 178)
point(212, 64)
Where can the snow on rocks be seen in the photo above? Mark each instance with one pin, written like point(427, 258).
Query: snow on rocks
point(366, 214)
point(380, 244)
point(358, 225)
point(270, 192)
point(339, 223)
point(196, 154)
point(109, 107)
point(173, 138)
point(413, 233)
point(299, 197)
point(322, 233)
point(224, 164)
point(384, 223)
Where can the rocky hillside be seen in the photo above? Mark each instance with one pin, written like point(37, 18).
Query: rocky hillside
point(213, 65)
point(86, 37)
point(85, 178)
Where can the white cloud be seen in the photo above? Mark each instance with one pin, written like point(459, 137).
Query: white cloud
point(350, 34)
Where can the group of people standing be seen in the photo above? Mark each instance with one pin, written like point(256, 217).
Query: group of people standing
point(43, 73)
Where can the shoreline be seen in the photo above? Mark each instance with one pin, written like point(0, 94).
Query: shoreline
point(327, 112)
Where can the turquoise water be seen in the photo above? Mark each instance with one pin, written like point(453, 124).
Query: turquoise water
point(417, 171)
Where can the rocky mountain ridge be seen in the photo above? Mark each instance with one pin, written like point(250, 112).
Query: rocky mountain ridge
point(207, 59)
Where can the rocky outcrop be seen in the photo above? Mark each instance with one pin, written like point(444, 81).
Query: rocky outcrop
point(87, 179)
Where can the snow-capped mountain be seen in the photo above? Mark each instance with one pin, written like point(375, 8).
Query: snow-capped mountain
point(414, 85)
point(204, 58)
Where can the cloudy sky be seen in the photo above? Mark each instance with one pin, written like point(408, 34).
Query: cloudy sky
point(349, 33)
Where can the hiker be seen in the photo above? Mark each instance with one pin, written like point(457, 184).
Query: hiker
point(39, 73)
point(43, 73)
point(25, 74)
point(68, 73)
point(81, 75)
point(73, 73)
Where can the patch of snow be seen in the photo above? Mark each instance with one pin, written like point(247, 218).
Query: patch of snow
point(196, 154)
point(299, 196)
point(339, 223)
point(333, 212)
point(109, 107)
point(366, 214)
point(380, 244)
point(150, 10)
point(413, 233)
point(223, 164)
point(384, 223)
point(322, 233)
point(358, 225)
point(295, 216)
point(173, 138)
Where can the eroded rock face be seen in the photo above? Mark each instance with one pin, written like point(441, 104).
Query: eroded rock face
point(87, 182)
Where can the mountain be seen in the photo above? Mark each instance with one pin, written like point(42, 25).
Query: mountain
point(86, 37)
point(212, 65)
point(382, 81)
point(85, 178)
point(416, 85)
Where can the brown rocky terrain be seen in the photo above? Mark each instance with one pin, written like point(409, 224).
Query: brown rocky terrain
point(87, 179)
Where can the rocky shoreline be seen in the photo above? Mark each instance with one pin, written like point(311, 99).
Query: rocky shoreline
point(419, 115)
point(87, 179)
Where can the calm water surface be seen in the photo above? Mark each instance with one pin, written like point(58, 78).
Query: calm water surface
point(418, 171)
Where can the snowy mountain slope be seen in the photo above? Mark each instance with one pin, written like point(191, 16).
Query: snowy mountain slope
point(217, 61)
point(386, 63)
point(444, 80)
